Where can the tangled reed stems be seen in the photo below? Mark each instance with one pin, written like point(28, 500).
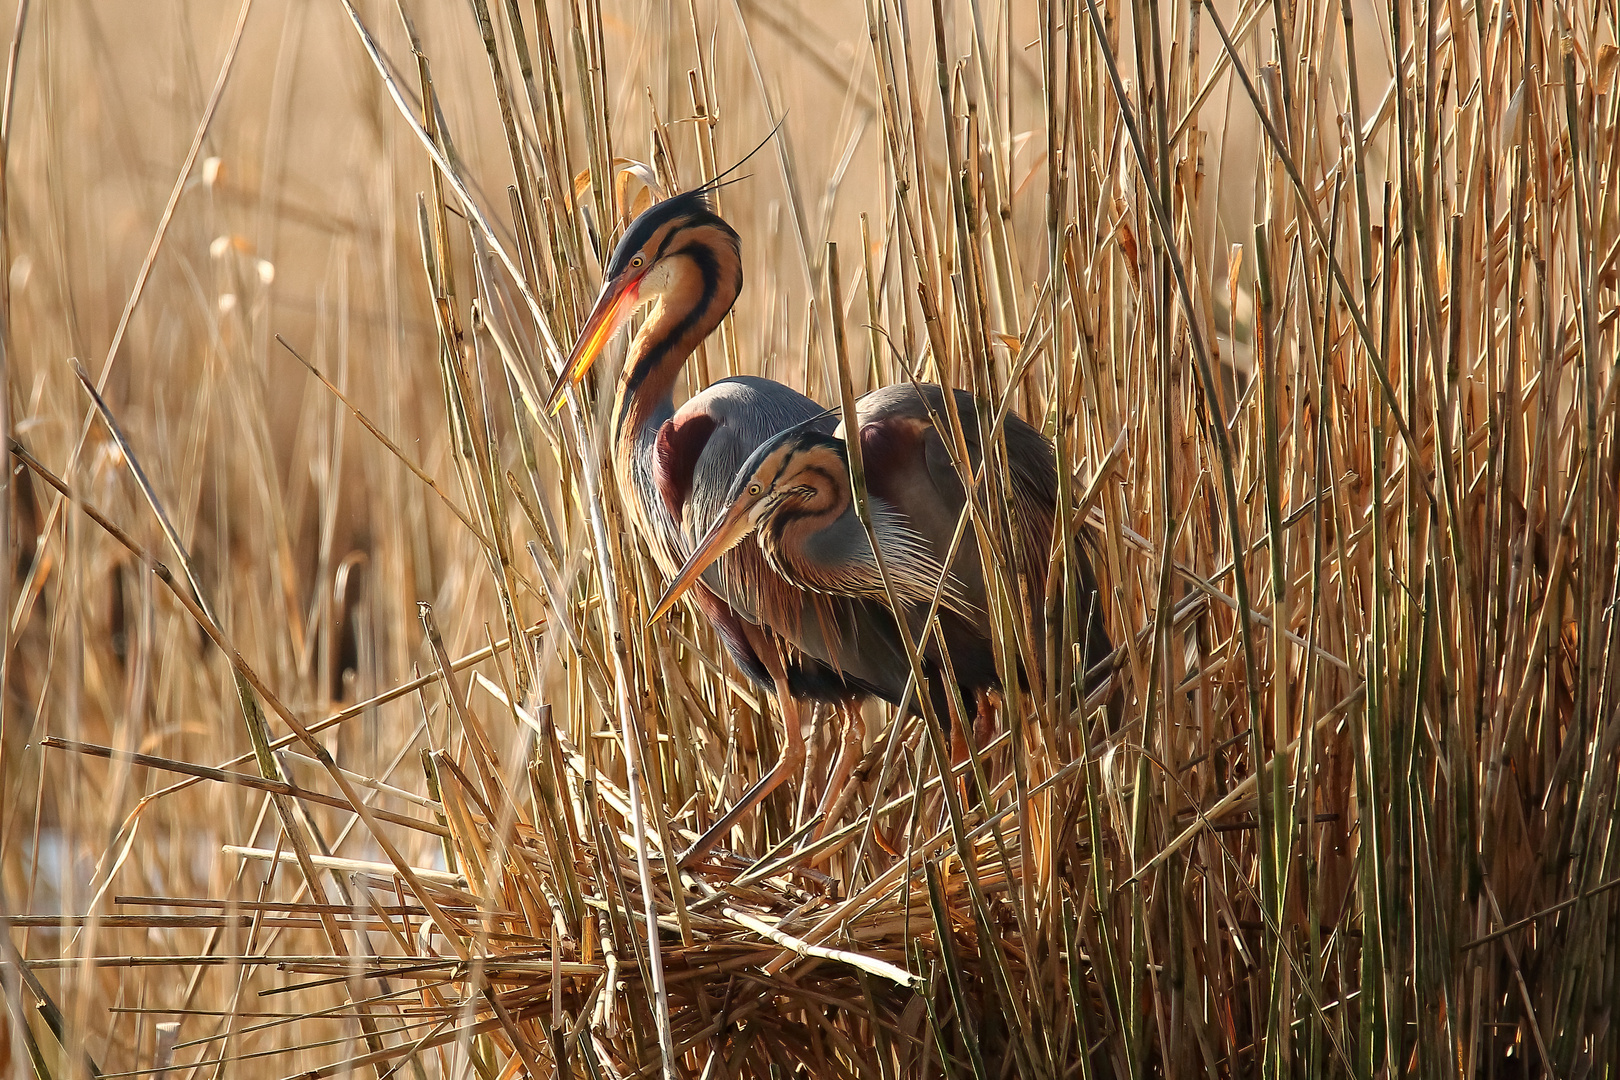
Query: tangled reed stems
point(336, 740)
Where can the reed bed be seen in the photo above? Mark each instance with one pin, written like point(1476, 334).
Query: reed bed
point(336, 739)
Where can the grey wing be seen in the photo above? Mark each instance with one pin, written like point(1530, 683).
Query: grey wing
point(1033, 466)
point(935, 505)
point(855, 638)
point(907, 465)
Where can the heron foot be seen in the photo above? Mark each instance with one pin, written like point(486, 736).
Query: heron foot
point(750, 799)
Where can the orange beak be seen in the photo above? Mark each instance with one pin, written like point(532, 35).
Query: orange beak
point(732, 529)
point(619, 298)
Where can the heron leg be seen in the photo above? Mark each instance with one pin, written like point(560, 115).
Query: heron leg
point(988, 703)
point(813, 756)
point(984, 724)
point(959, 746)
point(839, 791)
point(791, 761)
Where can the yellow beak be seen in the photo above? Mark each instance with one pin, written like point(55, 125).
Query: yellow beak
point(732, 528)
point(619, 298)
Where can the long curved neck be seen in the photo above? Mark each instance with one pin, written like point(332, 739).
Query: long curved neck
point(646, 391)
point(697, 291)
point(693, 296)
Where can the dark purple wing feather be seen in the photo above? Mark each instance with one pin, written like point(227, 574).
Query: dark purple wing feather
point(907, 464)
point(681, 441)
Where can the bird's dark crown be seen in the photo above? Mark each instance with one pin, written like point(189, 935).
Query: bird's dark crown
point(688, 209)
point(783, 448)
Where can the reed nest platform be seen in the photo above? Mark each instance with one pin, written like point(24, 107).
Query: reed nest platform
point(536, 941)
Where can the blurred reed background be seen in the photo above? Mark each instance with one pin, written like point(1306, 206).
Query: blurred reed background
point(290, 803)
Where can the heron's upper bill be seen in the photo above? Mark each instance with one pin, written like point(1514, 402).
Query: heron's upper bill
point(613, 307)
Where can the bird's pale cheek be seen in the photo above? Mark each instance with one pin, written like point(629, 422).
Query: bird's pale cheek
point(657, 280)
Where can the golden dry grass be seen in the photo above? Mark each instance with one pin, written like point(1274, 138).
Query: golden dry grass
point(279, 798)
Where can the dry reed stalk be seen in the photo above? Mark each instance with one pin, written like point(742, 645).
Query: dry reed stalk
point(1316, 301)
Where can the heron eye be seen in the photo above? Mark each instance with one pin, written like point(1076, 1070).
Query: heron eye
point(637, 261)
point(753, 489)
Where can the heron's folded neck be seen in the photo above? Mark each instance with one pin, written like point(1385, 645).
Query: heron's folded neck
point(830, 552)
point(695, 290)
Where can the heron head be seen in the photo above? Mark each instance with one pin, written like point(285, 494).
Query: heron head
point(801, 470)
point(797, 472)
point(680, 232)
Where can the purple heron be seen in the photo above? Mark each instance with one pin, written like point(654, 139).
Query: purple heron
point(675, 466)
point(794, 496)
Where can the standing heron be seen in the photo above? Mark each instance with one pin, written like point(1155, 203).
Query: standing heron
point(674, 467)
point(794, 495)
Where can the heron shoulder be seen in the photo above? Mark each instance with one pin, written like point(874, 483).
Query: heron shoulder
point(680, 444)
point(890, 410)
point(757, 408)
point(701, 447)
point(906, 399)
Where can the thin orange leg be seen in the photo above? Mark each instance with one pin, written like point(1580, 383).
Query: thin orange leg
point(984, 730)
point(959, 746)
point(801, 804)
point(791, 761)
point(984, 724)
point(839, 791)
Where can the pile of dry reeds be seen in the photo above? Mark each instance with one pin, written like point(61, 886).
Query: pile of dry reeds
point(336, 739)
